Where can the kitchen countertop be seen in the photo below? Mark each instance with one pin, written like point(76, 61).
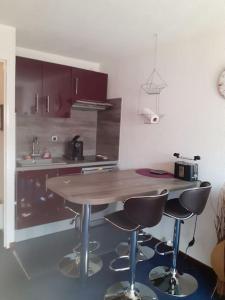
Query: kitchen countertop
point(109, 187)
point(58, 163)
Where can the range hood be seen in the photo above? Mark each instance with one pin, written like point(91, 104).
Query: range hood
point(90, 105)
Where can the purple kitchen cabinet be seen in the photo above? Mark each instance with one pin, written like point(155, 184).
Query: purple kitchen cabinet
point(57, 90)
point(49, 89)
point(89, 85)
point(69, 171)
point(43, 88)
point(28, 86)
point(36, 204)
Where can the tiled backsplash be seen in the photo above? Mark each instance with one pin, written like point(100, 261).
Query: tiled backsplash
point(83, 123)
point(108, 130)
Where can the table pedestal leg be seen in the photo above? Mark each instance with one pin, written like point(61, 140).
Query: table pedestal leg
point(85, 242)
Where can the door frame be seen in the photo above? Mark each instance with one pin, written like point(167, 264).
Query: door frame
point(9, 155)
point(3, 63)
point(2, 91)
point(2, 95)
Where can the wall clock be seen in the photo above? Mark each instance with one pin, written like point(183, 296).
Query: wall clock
point(221, 84)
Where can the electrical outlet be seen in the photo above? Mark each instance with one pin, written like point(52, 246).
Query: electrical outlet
point(54, 138)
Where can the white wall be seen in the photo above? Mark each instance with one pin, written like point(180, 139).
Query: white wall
point(194, 121)
point(7, 53)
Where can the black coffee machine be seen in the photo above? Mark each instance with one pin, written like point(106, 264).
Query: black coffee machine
point(74, 149)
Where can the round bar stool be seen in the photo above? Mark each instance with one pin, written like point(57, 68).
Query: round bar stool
point(138, 212)
point(69, 265)
point(143, 252)
point(123, 249)
point(191, 202)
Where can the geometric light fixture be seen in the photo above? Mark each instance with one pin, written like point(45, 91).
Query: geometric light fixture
point(154, 85)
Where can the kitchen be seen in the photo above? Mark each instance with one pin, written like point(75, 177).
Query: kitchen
point(116, 42)
point(48, 129)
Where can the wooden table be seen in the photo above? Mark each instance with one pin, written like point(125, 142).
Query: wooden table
point(105, 188)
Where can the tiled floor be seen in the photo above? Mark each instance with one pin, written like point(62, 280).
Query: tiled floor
point(40, 256)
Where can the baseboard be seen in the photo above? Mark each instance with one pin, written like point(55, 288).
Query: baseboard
point(41, 230)
point(190, 259)
point(45, 229)
point(50, 228)
point(1, 215)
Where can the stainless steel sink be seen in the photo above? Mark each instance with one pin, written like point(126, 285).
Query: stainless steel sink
point(40, 162)
point(34, 162)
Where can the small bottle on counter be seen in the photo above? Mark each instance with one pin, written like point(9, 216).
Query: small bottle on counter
point(46, 154)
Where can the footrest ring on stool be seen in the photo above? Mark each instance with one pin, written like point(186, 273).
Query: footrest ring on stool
point(123, 249)
point(113, 268)
point(93, 246)
point(144, 237)
point(160, 252)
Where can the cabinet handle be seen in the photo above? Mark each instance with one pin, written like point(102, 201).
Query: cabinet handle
point(48, 104)
point(46, 178)
point(77, 84)
point(37, 103)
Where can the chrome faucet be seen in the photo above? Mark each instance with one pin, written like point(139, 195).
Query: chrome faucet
point(35, 148)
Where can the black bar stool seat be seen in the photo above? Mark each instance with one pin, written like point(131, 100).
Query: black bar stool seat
point(191, 202)
point(143, 211)
point(175, 210)
point(121, 220)
point(143, 252)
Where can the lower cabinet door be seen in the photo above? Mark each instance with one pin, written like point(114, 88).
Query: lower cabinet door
point(36, 205)
point(69, 171)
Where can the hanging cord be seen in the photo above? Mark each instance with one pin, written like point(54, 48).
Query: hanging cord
point(157, 104)
point(155, 51)
point(139, 101)
point(191, 243)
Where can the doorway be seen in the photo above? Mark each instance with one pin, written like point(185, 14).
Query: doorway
point(2, 96)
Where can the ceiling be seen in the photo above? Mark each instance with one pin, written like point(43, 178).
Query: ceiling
point(102, 29)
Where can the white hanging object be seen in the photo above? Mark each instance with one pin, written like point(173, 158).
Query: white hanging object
point(153, 86)
point(150, 117)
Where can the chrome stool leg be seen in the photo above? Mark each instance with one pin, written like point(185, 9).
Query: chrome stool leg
point(92, 247)
point(168, 280)
point(143, 253)
point(130, 290)
point(123, 252)
point(69, 265)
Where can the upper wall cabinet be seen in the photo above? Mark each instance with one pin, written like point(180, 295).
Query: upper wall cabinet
point(89, 85)
point(49, 89)
point(57, 90)
point(28, 86)
point(43, 88)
